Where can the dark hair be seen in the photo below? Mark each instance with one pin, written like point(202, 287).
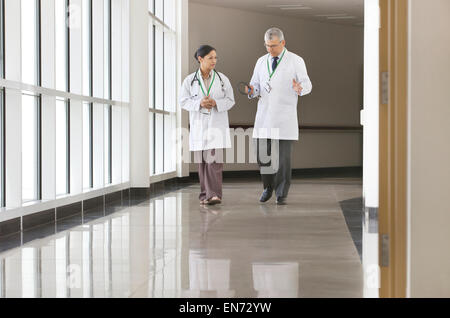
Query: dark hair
point(203, 51)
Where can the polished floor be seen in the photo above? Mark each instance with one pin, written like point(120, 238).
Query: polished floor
point(171, 247)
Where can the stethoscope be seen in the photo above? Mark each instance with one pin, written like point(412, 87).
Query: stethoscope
point(199, 83)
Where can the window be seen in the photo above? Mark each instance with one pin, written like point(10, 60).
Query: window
point(88, 90)
point(60, 142)
point(30, 40)
point(162, 80)
point(62, 105)
point(87, 176)
point(62, 151)
point(31, 102)
point(2, 105)
point(61, 45)
point(108, 90)
point(29, 148)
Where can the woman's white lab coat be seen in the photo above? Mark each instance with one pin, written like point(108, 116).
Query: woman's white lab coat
point(208, 131)
point(276, 117)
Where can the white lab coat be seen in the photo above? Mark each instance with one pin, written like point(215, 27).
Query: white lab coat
point(276, 117)
point(208, 131)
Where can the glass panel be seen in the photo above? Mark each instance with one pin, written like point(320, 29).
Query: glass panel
point(87, 48)
point(2, 39)
point(152, 144)
point(159, 144)
point(169, 143)
point(151, 64)
point(107, 147)
point(29, 42)
point(107, 49)
point(169, 72)
point(61, 45)
point(151, 6)
point(170, 13)
point(2, 154)
point(29, 147)
point(86, 145)
point(2, 106)
point(159, 68)
point(61, 147)
point(159, 9)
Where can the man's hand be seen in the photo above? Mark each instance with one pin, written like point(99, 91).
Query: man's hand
point(297, 87)
point(249, 90)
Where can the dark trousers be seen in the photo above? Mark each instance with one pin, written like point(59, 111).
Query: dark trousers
point(210, 169)
point(274, 159)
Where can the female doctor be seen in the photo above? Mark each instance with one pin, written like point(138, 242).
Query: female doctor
point(208, 96)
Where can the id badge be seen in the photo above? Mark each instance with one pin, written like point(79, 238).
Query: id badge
point(267, 87)
point(204, 111)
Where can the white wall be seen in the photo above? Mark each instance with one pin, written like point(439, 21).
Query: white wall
point(429, 153)
point(370, 114)
point(334, 58)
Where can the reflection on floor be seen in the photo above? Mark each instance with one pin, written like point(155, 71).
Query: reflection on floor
point(171, 247)
point(353, 213)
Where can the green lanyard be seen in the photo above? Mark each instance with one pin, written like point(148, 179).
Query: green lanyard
point(268, 65)
point(210, 86)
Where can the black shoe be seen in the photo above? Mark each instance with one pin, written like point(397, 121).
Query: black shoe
point(281, 201)
point(267, 194)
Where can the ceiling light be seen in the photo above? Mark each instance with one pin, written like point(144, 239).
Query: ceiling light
point(296, 8)
point(341, 18)
point(332, 15)
point(284, 5)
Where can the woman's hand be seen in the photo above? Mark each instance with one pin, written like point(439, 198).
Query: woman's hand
point(208, 103)
point(212, 102)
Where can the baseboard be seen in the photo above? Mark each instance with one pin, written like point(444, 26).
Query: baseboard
point(337, 172)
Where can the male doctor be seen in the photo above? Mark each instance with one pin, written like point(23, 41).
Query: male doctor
point(279, 78)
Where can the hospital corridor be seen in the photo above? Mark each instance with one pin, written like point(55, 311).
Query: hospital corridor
point(238, 149)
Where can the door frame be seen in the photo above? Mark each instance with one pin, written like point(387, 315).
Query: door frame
point(393, 148)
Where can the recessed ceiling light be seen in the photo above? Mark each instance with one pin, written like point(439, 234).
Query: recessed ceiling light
point(341, 18)
point(332, 15)
point(284, 5)
point(296, 8)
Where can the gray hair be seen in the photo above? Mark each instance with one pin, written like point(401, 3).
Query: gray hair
point(272, 33)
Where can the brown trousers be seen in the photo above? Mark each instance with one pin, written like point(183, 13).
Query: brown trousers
point(210, 170)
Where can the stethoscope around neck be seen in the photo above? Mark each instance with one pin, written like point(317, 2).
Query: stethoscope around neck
point(199, 83)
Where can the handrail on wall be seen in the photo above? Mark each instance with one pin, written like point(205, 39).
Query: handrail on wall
point(323, 128)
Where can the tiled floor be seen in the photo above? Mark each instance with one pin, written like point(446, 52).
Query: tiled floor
point(171, 247)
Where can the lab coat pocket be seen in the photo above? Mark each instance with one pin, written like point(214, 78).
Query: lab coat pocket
point(196, 129)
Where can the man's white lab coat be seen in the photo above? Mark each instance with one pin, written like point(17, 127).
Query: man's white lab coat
point(276, 117)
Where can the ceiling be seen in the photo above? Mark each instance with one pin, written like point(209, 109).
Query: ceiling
point(346, 12)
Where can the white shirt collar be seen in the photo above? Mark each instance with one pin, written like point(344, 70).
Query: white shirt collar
point(279, 56)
